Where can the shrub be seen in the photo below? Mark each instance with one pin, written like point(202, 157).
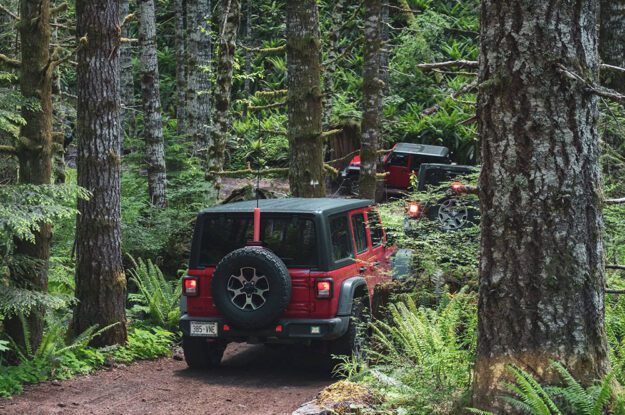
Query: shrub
point(144, 344)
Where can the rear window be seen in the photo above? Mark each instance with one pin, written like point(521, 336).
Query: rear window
point(292, 238)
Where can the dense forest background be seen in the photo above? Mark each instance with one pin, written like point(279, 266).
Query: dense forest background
point(190, 75)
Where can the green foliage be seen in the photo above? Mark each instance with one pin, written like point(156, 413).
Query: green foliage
point(145, 344)
point(157, 298)
point(421, 359)
point(571, 398)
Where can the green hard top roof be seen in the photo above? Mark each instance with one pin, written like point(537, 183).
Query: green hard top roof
point(292, 205)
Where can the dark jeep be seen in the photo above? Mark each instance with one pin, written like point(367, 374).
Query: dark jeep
point(294, 270)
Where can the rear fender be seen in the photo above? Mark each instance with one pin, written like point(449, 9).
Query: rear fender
point(351, 288)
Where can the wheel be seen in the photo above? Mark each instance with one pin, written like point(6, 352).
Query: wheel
point(453, 214)
point(353, 342)
point(251, 287)
point(200, 354)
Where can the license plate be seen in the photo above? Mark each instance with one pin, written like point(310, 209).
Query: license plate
point(203, 329)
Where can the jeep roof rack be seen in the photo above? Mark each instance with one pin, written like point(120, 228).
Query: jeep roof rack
point(325, 206)
point(423, 149)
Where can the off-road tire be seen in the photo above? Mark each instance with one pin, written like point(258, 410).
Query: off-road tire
point(276, 299)
point(200, 354)
point(353, 342)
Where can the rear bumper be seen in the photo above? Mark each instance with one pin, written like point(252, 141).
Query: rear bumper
point(291, 329)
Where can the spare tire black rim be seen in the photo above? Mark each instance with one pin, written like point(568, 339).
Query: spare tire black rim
point(248, 290)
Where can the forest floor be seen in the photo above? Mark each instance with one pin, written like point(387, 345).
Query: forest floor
point(253, 380)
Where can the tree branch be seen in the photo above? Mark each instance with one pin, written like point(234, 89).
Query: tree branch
point(9, 12)
point(612, 67)
point(9, 62)
point(8, 150)
point(277, 49)
point(596, 89)
point(448, 64)
point(249, 170)
point(330, 133)
point(614, 266)
point(265, 107)
point(271, 94)
point(466, 88)
point(58, 9)
point(615, 201)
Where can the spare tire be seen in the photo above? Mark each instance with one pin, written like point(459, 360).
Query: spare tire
point(251, 287)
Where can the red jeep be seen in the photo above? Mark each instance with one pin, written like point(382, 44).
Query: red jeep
point(291, 270)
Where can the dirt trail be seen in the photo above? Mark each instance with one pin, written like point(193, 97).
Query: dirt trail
point(253, 380)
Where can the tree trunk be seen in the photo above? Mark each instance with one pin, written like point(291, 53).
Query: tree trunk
point(152, 120)
point(541, 267)
point(198, 81)
point(34, 152)
point(100, 279)
point(229, 27)
point(306, 175)
point(336, 20)
point(372, 95)
point(127, 82)
point(181, 77)
point(247, 87)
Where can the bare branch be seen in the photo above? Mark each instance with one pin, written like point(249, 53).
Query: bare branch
point(615, 201)
point(613, 291)
point(127, 19)
point(58, 9)
point(277, 49)
point(612, 67)
point(9, 62)
point(596, 89)
point(249, 170)
point(615, 266)
point(448, 64)
point(275, 132)
point(465, 89)
point(330, 133)
point(9, 12)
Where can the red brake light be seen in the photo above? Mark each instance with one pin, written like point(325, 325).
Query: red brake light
point(189, 286)
point(414, 210)
point(323, 288)
point(457, 187)
point(279, 328)
point(226, 327)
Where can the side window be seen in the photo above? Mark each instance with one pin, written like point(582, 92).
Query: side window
point(360, 232)
point(341, 241)
point(399, 159)
point(375, 226)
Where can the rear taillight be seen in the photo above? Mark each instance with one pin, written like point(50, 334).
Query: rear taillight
point(324, 288)
point(190, 286)
point(414, 210)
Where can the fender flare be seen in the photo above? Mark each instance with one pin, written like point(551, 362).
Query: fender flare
point(346, 296)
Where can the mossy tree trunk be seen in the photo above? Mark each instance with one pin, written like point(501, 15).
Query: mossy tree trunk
point(100, 279)
point(371, 98)
point(34, 152)
point(152, 118)
point(199, 56)
point(228, 27)
point(306, 174)
point(334, 50)
point(181, 77)
point(127, 81)
point(541, 267)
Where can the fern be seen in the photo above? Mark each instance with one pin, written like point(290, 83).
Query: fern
point(156, 296)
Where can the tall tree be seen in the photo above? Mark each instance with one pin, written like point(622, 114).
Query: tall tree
point(306, 174)
point(152, 119)
point(181, 77)
point(34, 152)
point(199, 57)
point(127, 81)
point(329, 70)
point(371, 99)
point(100, 279)
point(541, 268)
point(228, 28)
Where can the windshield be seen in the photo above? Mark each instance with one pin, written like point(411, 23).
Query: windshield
point(291, 237)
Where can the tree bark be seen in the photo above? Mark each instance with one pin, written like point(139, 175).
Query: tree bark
point(612, 42)
point(100, 279)
point(541, 266)
point(229, 27)
point(181, 77)
point(371, 98)
point(247, 85)
point(329, 70)
point(306, 175)
point(34, 152)
point(152, 119)
point(127, 82)
point(198, 81)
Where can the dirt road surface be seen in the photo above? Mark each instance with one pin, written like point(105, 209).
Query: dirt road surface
point(253, 380)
